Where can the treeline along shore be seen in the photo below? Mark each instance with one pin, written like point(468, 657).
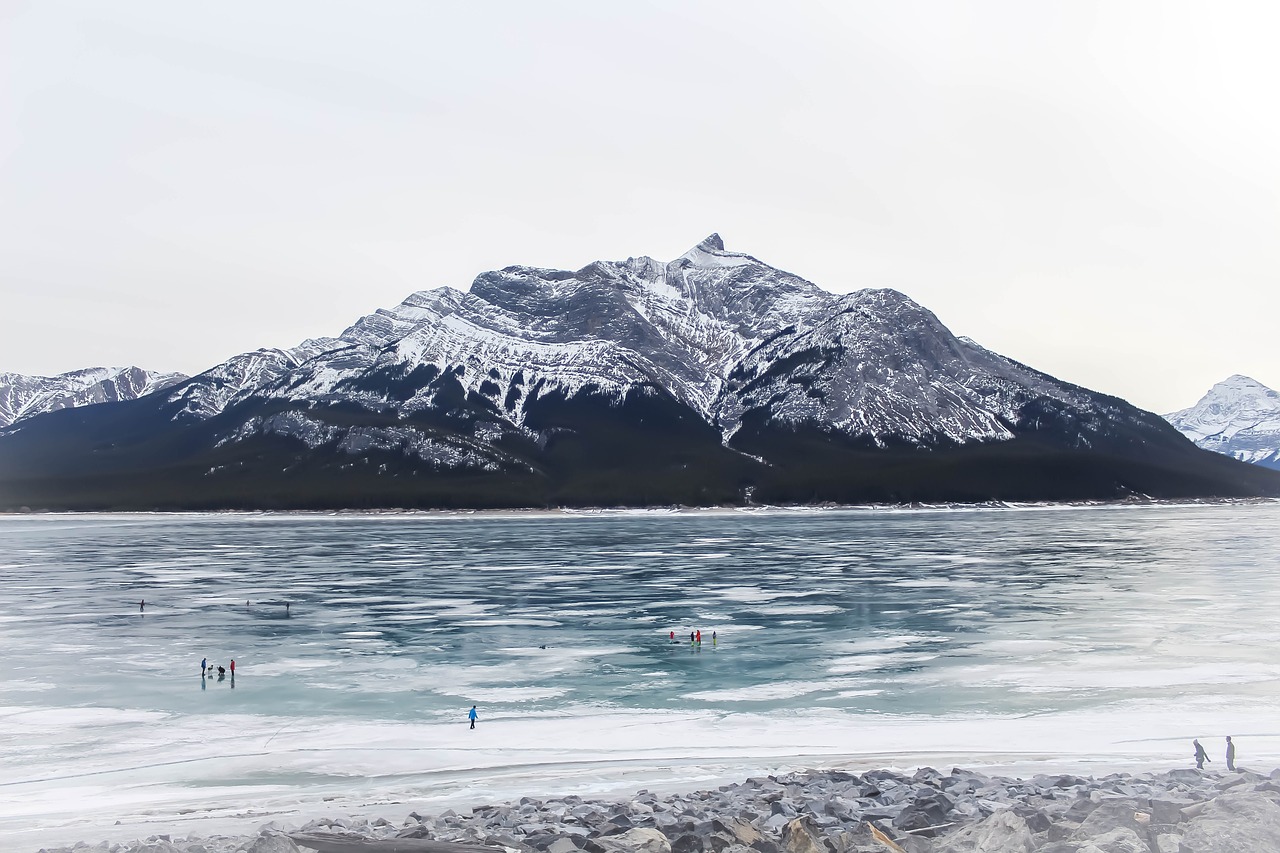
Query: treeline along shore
point(827, 811)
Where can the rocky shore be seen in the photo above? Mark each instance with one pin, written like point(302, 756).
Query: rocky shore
point(1179, 811)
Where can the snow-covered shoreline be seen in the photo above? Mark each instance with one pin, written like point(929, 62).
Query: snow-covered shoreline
point(819, 811)
point(176, 779)
point(1135, 502)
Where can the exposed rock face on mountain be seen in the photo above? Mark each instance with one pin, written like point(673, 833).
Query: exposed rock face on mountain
point(23, 396)
point(713, 378)
point(1239, 417)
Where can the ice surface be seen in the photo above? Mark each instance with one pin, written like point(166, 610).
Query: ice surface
point(1066, 640)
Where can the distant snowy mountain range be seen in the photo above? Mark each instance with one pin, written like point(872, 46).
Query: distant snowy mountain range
point(713, 378)
point(23, 396)
point(1239, 417)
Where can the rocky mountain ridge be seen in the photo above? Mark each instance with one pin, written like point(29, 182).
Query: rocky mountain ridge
point(23, 396)
point(712, 378)
point(713, 329)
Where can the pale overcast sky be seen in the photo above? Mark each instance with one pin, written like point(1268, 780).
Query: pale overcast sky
point(1092, 189)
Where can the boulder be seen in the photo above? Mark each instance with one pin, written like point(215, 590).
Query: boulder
point(928, 776)
point(610, 828)
point(686, 842)
point(1003, 832)
point(1119, 840)
point(1068, 781)
point(801, 836)
point(415, 830)
point(1235, 822)
point(1079, 810)
point(639, 840)
point(1167, 811)
point(359, 844)
point(563, 844)
point(925, 813)
point(272, 844)
point(1037, 821)
point(739, 830)
point(915, 844)
point(1109, 815)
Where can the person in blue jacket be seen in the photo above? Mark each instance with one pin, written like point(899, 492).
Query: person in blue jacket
point(471, 715)
point(204, 664)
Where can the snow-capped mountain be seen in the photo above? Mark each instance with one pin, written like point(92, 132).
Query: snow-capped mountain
point(23, 396)
point(712, 378)
point(1239, 417)
point(721, 332)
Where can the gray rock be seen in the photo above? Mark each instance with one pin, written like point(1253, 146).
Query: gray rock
point(1068, 781)
point(925, 813)
point(1119, 840)
point(357, 844)
point(1109, 815)
point(639, 840)
point(802, 836)
point(563, 844)
point(740, 831)
point(687, 842)
point(1002, 832)
point(1037, 821)
point(776, 822)
point(1079, 810)
point(270, 844)
point(1167, 811)
point(1235, 822)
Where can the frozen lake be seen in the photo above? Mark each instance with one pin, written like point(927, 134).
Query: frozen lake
point(1085, 638)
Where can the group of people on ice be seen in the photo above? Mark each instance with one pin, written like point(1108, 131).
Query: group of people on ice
point(695, 637)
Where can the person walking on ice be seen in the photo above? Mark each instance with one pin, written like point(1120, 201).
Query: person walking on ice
point(1231, 754)
point(1201, 755)
point(471, 715)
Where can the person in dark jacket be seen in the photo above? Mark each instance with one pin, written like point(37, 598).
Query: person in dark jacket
point(1231, 754)
point(1201, 755)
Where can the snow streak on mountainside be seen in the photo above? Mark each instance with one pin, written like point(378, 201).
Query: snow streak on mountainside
point(23, 396)
point(722, 333)
point(1239, 417)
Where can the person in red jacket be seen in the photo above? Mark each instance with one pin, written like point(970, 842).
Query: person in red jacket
point(233, 666)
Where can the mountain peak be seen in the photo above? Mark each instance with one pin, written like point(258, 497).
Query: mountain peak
point(1236, 393)
point(1240, 382)
point(1238, 416)
point(712, 243)
point(711, 253)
